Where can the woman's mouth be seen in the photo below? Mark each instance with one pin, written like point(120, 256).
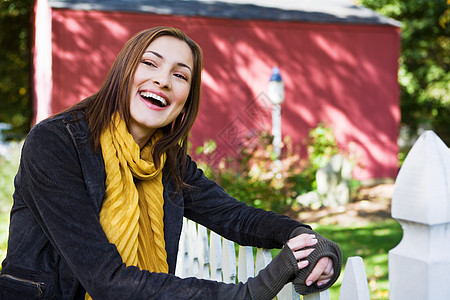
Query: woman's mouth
point(154, 99)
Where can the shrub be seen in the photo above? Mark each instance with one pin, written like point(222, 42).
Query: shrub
point(261, 180)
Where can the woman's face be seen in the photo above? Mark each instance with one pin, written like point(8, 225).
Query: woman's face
point(160, 87)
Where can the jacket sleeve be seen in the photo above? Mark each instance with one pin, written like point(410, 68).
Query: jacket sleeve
point(52, 185)
point(208, 204)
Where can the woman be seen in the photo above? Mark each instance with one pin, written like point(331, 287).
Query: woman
point(102, 188)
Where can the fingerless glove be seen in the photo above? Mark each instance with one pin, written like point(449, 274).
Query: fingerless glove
point(323, 248)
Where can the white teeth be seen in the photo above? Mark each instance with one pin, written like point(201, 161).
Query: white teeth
point(154, 96)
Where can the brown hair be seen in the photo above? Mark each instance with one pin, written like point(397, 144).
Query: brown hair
point(114, 96)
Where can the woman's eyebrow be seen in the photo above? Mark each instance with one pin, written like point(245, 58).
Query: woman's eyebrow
point(155, 53)
point(160, 56)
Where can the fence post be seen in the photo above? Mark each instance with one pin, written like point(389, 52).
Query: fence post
point(419, 265)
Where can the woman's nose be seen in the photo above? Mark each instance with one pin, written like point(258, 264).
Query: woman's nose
point(162, 81)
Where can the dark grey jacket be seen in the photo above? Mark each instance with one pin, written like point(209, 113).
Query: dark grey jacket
point(57, 248)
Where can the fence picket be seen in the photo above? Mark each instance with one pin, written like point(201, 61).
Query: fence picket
point(288, 293)
point(325, 295)
point(216, 256)
point(246, 266)
point(263, 258)
point(203, 252)
point(354, 283)
point(192, 248)
point(182, 269)
point(228, 261)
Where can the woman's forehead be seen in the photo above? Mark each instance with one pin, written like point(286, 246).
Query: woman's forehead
point(172, 50)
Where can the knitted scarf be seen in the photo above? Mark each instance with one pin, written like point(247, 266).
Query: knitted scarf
point(132, 211)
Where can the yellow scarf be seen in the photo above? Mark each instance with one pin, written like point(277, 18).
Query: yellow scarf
point(132, 211)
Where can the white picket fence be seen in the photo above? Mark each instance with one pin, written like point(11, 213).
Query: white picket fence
point(418, 266)
point(214, 257)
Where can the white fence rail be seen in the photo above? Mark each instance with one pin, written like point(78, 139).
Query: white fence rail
point(418, 266)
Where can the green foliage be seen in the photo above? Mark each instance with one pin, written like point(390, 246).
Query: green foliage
point(15, 65)
point(424, 71)
point(259, 179)
point(8, 169)
point(321, 146)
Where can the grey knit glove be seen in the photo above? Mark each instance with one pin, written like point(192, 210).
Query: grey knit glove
point(269, 281)
point(323, 248)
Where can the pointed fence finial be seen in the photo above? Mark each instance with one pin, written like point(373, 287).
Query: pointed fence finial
point(419, 265)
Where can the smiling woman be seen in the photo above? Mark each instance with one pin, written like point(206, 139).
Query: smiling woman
point(103, 187)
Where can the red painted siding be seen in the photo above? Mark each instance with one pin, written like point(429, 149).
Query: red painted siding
point(343, 75)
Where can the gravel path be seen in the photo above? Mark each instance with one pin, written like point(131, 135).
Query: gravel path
point(372, 204)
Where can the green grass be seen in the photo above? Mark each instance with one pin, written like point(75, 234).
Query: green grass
point(372, 243)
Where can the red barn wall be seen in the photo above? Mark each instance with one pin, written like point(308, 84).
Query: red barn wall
point(343, 75)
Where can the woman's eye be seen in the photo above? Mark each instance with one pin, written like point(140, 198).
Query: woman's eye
point(149, 63)
point(181, 76)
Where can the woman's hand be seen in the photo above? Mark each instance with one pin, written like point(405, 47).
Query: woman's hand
point(323, 271)
point(297, 244)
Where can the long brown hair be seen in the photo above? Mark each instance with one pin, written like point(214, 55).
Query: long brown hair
point(114, 96)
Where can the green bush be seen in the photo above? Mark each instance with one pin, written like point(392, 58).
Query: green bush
point(8, 170)
point(259, 179)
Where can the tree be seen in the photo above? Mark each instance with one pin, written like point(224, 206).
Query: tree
point(15, 65)
point(424, 71)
